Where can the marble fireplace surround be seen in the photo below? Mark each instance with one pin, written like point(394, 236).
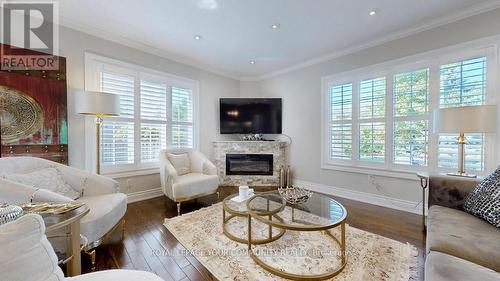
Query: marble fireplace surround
point(276, 148)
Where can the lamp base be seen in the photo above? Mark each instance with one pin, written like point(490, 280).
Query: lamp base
point(464, 175)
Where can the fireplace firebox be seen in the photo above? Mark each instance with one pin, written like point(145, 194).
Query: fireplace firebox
point(249, 164)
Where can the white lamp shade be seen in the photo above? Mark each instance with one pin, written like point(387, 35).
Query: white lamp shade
point(466, 119)
point(97, 104)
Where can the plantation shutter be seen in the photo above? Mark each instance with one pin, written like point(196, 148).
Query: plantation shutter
point(372, 94)
point(117, 135)
point(462, 83)
point(182, 117)
point(340, 121)
point(153, 119)
point(411, 114)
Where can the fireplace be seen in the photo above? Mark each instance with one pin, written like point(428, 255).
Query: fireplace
point(249, 164)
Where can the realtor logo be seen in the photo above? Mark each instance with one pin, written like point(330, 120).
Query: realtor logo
point(33, 26)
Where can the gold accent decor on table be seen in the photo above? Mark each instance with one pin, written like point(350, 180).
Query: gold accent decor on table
point(295, 194)
point(50, 208)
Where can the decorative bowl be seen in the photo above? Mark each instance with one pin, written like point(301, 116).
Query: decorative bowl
point(9, 213)
point(295, 194)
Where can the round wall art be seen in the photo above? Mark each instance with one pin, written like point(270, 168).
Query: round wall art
point(20, 115)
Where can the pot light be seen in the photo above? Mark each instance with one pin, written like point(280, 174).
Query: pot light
point(197, 37)
point(372, 12)
point(252, 62)
point(275, 26)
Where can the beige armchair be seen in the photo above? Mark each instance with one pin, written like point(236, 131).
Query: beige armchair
point(201, 179)
point(107, 205)
point(26, 254)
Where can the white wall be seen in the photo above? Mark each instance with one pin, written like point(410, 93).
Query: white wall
point(73, 44)
point(301, 93)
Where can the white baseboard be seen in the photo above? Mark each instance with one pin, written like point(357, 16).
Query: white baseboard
point(370, 198)
point(144, 195)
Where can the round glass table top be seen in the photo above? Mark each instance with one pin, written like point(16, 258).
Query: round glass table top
point(260, 207)
point(319, 212)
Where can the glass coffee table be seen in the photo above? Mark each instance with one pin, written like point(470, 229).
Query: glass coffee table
point(319, 213)
point(232, 210)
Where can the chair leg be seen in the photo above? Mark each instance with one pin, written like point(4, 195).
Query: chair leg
point(91, 254)
point(178, 208)
point(123, 230)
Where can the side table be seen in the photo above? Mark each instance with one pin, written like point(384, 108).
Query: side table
point(69, 221)
point(424, 184)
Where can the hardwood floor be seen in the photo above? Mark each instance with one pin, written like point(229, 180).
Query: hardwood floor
point(148, 245)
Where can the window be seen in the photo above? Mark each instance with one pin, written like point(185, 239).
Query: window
point(462, 83)
point(411, 105)
point(157, 111)
point(386, 122)
point(182, 117)
point(153, 119)
point(371, 120)
point(117, 136)
point(341, 121)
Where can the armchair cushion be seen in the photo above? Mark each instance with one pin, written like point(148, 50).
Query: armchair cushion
point(105, 212)
point(193, 185)
point(25, 252)
point(47, 178)
point(180, 162)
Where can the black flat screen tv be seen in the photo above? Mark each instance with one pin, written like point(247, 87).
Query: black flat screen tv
point(250, 116)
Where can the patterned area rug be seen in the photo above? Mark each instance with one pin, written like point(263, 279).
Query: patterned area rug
point(369, 256)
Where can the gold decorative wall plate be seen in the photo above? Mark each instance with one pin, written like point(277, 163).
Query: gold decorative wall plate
point(20, 115)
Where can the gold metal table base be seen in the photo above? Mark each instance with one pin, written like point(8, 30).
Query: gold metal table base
point(292, 276)
point(226, 219)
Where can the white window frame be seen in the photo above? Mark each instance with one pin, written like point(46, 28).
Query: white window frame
point(433, 60)
point(93, 65)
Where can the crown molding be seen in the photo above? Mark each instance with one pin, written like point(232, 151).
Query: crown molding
point(475, 10)
point(113, 37)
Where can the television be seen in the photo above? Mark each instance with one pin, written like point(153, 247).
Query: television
point(250, 115)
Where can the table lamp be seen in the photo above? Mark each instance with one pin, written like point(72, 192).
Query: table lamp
point(465, 120)
point(100, 105)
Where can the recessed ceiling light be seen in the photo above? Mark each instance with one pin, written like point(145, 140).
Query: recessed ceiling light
point(252, 62)
point(373, 12)
point(197, 37)
point(275, 26)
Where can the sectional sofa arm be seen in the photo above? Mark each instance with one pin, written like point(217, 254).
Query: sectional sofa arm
point(100, 185)
point(450, 191)
point(15, 193)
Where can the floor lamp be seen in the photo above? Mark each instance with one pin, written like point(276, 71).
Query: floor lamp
point(100, 105)
point(465, 120)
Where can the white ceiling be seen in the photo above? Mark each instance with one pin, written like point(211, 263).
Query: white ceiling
point(236, 31)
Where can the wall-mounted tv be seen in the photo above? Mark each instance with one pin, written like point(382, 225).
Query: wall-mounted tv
point(250, 116)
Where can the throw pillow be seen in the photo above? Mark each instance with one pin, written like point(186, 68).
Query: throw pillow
point(48, 178)
point(484, 201)
point(181, 163)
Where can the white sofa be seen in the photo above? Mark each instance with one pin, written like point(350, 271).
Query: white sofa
point(202, 180)
point(26, 254)
point(107, 205)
